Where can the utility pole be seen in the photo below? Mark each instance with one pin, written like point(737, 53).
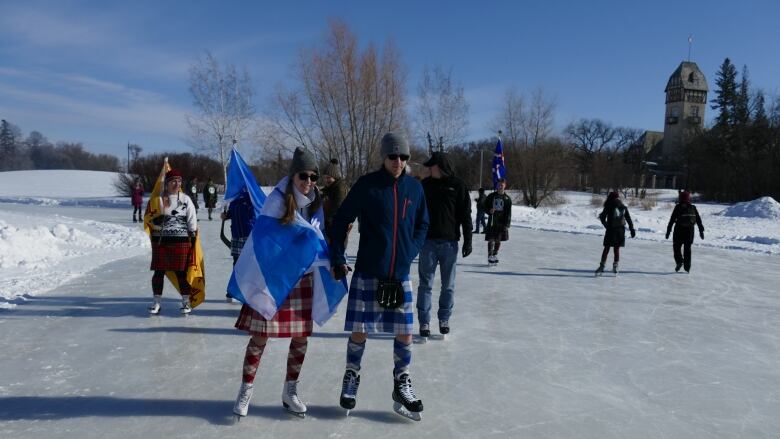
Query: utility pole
point(128, 157)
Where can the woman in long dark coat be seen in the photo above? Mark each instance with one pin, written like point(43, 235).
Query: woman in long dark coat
point(614, 218)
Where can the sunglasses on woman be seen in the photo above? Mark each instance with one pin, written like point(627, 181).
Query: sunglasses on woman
point(403, 157)
point(303, 176)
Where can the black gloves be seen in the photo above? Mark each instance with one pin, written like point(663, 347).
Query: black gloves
point(667, 234)
point(701, 234)
point(633, 233)
point(340, 271)
point(193, 237)
point(466, 250)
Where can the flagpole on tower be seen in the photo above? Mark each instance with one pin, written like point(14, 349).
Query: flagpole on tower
point(690, 42)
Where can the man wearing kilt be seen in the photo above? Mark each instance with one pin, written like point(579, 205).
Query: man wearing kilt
point(241, 214)
point(173, 237)
point(393, 222)
point(499, 207)
point(293, 201)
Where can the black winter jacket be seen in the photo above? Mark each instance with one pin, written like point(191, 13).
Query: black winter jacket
point(449, 208)
point(683, 218)
point(615, 235)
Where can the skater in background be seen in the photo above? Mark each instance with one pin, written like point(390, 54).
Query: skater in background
point(173, 238)
point(295, 198)
point(333, 193)
point(480, 211)
point(684, 217)
point(137, 199)
point(241, 214)
point(449, 211)
point(614, 218)
point(499, 208)
point(210, 196)
point(192, 191)
point(393, 225)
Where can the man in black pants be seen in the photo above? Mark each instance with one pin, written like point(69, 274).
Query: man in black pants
point(684, 217)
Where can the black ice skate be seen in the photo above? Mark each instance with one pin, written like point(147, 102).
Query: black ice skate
point(444, 327)
point(349, 388)
point(615, 268)
point(425, 332)
point(678, 267)
point(405, 402)
point(600, 270)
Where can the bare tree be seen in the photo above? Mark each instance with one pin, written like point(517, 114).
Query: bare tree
point(345, 100)
point(442, 108)
point(224, 111)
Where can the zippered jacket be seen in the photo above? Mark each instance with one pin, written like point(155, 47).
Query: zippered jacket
point(393, 221)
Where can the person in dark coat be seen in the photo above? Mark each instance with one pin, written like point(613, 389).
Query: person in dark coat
point(333, 193)
point(684, 217)
point(393, 225)
point(499, 208)
point(192, 191)
point(614, 218)
point(241, 213)
point(449, 211)
point(480, 211)
point(210, 196)
point(137, 198)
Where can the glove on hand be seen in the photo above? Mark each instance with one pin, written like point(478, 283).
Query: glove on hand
point(667, 235)
point(466, 250)
point(633, 233)
point(340, 271)
point(701, 234)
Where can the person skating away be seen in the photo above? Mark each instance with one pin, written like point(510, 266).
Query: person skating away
point(294, 200)
point(137, 199)
point(333, 193)
point(480, 211)
point(393, 225)
point(499, 208)
point(241, 213)
point(192, 191)
point(449, 211)
point(173, 238)
point(684, 217)
point(614, 217)
point(210, 196)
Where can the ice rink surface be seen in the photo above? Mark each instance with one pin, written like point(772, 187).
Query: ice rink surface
point(540, 348)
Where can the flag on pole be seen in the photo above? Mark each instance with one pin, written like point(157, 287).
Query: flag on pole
point(196, 274)
point(499, 169)
point(276, 256)
point(240, 178)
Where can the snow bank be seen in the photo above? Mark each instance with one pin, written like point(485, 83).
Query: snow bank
point(764, 207)
point(58, 184)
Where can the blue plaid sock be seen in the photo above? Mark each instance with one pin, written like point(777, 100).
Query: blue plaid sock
point(355, 354)
point(402, 356)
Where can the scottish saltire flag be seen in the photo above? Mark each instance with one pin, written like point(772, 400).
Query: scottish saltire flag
point(276, 256)
point(196, 271)
point(239, 178)
point(499, 170)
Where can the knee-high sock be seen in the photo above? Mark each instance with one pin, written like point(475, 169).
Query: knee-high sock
point(617, 254)
point(604, 254)
point(355, 354)
point(402, 356)
point(491, 246)
point(295, 357)
point(496, 246)
point(252, 357)
point(157, 282)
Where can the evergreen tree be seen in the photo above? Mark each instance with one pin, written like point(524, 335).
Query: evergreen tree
point(7, 146)
point(726, 94)
point(760, 118)
point(742, 102)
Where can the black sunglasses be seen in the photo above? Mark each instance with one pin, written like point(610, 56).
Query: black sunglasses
point(303, 176)
point(404, 157)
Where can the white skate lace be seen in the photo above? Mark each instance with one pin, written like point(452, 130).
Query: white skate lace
point(406, 390)
point(350, 386)
point(243, 397)
point(292, 392)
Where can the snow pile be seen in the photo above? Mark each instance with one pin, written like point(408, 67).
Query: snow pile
point(38, 253)
point(764, 207)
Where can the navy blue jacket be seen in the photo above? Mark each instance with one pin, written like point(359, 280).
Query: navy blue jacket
point(242, 216)
point(393, 224)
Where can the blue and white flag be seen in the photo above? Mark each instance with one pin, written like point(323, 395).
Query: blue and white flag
point(275, 257)
point(499, 169)
point(240, 178)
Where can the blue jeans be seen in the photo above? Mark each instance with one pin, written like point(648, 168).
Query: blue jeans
point(480, 221)
point(445, 254)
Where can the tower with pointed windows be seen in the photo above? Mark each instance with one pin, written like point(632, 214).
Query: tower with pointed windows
point(686, 100)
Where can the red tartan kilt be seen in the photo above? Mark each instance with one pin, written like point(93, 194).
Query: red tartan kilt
point(293, 319)
point(170, 256)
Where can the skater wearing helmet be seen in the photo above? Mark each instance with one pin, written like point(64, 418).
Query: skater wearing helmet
point(393, 224)
point(684, 217)
point(614, 218)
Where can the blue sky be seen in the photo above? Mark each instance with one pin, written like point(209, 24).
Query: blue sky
point(108, 75)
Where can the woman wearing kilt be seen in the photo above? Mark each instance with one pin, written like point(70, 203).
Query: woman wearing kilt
point(173, 236)
point(393, 225)
point(294, 200)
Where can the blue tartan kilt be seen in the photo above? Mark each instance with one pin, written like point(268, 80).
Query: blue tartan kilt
point(364, 314)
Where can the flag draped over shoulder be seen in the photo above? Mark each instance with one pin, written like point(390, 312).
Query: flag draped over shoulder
point(196, 274)
point(240, 178)
point(276, 256)
point(499, 169)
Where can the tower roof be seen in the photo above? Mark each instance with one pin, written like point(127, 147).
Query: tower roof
point(688, 76)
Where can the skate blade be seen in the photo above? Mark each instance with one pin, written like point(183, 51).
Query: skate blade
point(421, 340)
point(346, 412)
point(237, 418)
point(287, 409)
point(401, 410)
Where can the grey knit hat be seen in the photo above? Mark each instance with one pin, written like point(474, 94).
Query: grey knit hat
point(394, 143)
point(303, 160)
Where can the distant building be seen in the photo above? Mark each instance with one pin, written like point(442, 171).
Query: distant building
point(686, 101)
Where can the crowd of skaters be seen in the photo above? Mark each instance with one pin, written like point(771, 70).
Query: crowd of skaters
point(430, 217)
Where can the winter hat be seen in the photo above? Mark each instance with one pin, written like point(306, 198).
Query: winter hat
point(173, 173)
point(394, 143)
point(332, 169)
point(303, 160)
point(441, 160)
point(613, 196)
point(685, 197)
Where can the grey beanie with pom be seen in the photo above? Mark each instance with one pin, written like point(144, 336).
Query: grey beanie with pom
point(332, 169)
